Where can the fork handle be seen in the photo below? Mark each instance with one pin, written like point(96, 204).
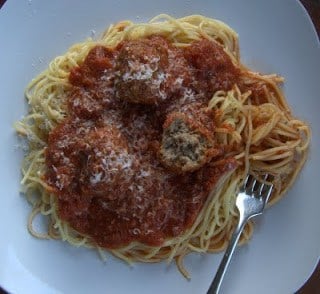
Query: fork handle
point(216, 283)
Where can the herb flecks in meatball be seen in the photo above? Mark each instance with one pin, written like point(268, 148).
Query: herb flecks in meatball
point(186, 144)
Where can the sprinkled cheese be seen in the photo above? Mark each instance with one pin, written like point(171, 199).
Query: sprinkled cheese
point(163, 95)
point(109, 165)
point(154, 59)
point(138, 72)
point(160, 78)
point(59, 185)
point(178, 82)
point(144, 174)
point(95, 178)
point(76, 102)
point(188, 95)
point(136, 231)
point(107, 75)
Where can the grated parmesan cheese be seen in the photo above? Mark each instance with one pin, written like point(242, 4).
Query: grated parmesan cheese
point(138, 72)
point(96, 178)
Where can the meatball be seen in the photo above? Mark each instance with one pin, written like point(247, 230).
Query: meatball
point(212, 66)
point(140, 67)
point(186, 144)
point(108, 161)
point(149, 71)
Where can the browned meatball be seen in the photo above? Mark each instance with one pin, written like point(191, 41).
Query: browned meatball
point(150, 70)
point(108, 161)
point(186, 144)
point(212, 66)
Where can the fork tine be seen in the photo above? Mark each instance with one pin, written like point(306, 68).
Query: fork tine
point(250, 185)
point(265, 189)
point(246, 181)
point(254, 185)
point(268, 193)
point(244, 184)
point(263, 184)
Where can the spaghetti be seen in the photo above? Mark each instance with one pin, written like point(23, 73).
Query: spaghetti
point(245, 120)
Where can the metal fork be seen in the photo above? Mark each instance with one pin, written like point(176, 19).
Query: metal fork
point(251, 200)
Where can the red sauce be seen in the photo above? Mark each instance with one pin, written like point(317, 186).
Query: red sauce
point(213, 68)
point(102, 160)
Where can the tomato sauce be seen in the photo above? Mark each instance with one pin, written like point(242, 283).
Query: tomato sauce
point(102, 161)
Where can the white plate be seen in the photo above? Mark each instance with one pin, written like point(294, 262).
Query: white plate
point(275, 36)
